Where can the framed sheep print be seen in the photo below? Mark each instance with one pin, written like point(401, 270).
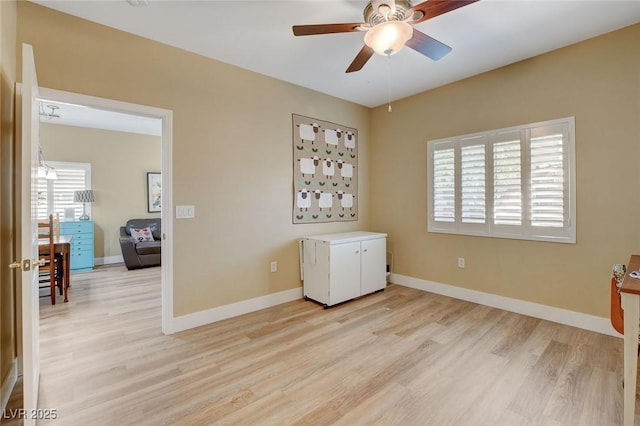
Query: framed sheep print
point(325, 171)
point(154, 192)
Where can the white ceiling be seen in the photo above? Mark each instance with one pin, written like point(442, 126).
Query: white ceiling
point(66, 114)
point(256, 35)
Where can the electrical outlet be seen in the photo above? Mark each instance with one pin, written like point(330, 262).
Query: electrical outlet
point(461, 262)
point(274, 266)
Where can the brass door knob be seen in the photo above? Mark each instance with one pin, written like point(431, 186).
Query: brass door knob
point(27, 264)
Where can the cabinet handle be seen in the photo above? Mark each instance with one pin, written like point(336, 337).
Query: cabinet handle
point(365, 250)
point(357, 251)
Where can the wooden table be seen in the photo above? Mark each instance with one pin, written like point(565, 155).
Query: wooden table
point(630, 295)
point(61, 244)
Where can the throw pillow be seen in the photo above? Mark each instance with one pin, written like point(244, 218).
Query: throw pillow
point(143, 234)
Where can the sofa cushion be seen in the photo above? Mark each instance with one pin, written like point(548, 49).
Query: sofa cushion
point(148, 247)
point(151, 223)
point(143, 234)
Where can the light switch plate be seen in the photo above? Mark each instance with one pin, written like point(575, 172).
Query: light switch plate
point(185, 212)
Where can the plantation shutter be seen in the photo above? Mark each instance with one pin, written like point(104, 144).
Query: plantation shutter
point(547, 184)
point(507, 182)
point(444, 185)
point(473, 184)
point(517, 182)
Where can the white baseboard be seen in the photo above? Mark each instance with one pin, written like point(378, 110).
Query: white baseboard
point(108, 260)
point(549, 313)
point(8, 384)
point(209, 316)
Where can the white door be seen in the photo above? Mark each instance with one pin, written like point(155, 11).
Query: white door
point(344, 270)
point(374, 265)
point(29, 236)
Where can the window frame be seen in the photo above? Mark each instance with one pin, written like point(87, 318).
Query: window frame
point(525, 231)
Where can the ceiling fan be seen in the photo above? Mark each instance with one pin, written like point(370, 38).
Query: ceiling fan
point(389, 26)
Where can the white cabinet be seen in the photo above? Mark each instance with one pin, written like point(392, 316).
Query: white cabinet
point(340, 267)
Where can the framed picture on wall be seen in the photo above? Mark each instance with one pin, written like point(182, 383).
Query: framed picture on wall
point(154, 192)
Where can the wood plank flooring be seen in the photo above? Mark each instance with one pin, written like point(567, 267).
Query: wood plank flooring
point(399, 357)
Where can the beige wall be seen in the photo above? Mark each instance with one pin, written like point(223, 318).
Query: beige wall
point(119, 165)
point(231, 150)
point(598, 82)
point(8, 16)
point(232, 154)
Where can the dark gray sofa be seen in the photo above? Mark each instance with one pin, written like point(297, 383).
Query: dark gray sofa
point(141, 254)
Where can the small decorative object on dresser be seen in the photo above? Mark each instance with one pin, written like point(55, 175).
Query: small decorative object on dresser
point(619, 269)
point(70, 214)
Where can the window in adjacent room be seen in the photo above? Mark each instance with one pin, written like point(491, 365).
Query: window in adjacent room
point(54, 195)
point(517, 182)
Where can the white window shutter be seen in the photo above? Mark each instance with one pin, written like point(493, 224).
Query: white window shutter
point(473, 184)
point(516, 182)
point(547, 184)
point(507, 183)
point(444, 185)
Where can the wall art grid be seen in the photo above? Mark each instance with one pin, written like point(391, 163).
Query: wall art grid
point(325, 171)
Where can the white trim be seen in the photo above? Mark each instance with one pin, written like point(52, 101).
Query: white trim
point(166, 216)
point(536, 310)
point(167, 185)
point(109, 260)
point(209, 316)
point(9, 383)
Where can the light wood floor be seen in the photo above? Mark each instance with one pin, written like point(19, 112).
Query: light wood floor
point(400, 357)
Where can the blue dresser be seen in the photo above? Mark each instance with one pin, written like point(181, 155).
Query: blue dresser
point(81, 245)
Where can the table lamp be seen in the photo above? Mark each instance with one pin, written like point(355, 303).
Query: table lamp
point(84, 197)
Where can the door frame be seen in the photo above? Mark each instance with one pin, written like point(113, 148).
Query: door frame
point(166, 216)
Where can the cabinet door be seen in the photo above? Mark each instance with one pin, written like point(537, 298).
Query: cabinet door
point(374, 265)
point(344, 278)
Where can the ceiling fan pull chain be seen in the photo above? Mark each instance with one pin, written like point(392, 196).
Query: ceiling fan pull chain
point(389, 82)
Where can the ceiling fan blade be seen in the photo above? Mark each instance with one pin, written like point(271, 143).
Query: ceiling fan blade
point(304, 30)
point(428, 46)
point(432, 8)
point(363, 56)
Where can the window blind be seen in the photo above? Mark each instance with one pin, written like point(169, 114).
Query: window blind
point(54, 196)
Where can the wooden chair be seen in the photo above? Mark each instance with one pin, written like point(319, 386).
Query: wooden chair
point(59, 257)
point(51, 271)
point(615, 312)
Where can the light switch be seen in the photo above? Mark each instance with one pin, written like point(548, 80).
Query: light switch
point(185, 212)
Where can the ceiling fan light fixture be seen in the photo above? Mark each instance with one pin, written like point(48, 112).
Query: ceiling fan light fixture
point(138, 3)
point(388, 38)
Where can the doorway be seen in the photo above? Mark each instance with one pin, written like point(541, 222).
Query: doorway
point(140, 115)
